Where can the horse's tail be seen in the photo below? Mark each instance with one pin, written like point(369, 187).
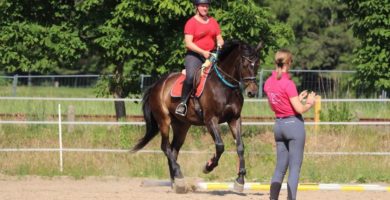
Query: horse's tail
point(151, 123)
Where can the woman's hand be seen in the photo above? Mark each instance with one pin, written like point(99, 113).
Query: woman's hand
point(311, 98)
point(297, 104)
point(302, 95)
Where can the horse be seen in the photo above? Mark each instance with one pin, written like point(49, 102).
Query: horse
point(222, 99)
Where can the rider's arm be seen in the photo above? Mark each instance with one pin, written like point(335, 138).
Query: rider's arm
point(220, 40)
point(193, 47)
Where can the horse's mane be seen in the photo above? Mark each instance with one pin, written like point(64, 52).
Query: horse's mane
point(230, 45)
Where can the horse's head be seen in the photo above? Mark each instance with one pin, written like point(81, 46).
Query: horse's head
point(242, 64)
point(249, 65)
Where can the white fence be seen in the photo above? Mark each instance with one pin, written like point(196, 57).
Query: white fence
point(327, 83)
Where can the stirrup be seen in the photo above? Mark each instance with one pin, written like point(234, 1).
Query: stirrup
point(181, 109)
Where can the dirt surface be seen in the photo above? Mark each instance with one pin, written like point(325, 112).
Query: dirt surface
point(65, 188)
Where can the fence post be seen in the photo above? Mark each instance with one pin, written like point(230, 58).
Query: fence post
point(71, 118)
point(261, 84)
point(60, 137)
point(383, 95)
point(29, 80)
point(14, 85)
point(317, 112)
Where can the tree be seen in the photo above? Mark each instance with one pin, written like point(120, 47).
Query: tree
point(38, 36)
point(323, 39)
point(371, 24)
point(247, 21)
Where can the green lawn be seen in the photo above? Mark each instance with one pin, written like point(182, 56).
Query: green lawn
point(258, 140)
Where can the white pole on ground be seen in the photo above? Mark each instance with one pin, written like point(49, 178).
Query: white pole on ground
point(60, 136)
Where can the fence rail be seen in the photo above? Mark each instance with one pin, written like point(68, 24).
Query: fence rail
point(138, 99)
point(327, 83)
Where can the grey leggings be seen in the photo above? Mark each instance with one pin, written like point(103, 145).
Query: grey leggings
point(290, 142)
point(192, 62)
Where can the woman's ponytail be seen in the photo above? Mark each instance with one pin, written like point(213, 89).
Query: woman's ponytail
point(279, 63)
point(283, 58)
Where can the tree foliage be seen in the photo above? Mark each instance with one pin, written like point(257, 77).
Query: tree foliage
point(38, 36)
point(323, 39)
point(371, 24)
point(251, 23)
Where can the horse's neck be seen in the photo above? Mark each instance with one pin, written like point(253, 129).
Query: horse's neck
point(229, 66)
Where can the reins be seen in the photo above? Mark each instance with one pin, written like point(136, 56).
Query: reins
point(224, 81)
point(214, 59)
point(219, 72)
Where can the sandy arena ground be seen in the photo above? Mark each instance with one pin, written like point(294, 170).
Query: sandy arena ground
point(107, 188)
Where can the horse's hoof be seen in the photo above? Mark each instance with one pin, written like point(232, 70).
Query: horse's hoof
point(205, 170)
point(238, 187)
point(179, 186)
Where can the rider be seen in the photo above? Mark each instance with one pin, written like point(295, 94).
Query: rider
point(200, 34)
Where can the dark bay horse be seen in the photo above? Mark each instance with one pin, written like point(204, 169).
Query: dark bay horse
point(221, 101)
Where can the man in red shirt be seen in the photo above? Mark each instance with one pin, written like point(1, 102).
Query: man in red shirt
point(201, 32)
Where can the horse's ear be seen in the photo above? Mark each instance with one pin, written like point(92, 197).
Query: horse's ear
point(260, 46)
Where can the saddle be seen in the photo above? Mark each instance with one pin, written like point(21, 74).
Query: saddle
point(178, 85)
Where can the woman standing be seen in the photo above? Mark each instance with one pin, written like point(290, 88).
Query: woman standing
point(201, 32)
point(289, 129)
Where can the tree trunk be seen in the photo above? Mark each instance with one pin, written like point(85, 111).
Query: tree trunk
point(120, 109)
point(118, 93)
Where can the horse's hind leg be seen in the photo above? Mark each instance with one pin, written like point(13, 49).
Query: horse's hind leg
point(219, 146)
point(235, 127)
point(171, 155)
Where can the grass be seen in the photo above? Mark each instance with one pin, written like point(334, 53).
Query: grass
point(259, 143)
point(259, 153)
point(48, 91)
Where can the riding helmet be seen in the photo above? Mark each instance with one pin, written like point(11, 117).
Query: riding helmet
point(196, 2)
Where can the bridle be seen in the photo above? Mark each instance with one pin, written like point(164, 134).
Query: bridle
point(239, 84)
point(252, 63)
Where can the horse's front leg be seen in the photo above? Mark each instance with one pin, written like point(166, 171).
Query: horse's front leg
point(235, 127)
point(213, 128)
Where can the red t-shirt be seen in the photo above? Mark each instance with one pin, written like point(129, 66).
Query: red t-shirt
point(204, 35)
point(279, 93)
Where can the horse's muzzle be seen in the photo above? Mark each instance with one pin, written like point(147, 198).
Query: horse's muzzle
point(251, 90)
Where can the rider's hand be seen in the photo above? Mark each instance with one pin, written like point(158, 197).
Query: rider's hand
point(219, 45)
point(206, 54)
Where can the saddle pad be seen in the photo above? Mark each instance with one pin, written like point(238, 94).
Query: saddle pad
point(178, 85)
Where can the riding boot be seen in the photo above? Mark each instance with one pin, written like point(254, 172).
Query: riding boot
point(275, 190)
point(181, 109)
